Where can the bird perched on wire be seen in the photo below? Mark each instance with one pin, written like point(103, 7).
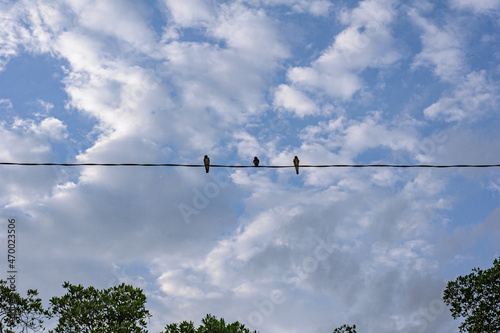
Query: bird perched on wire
point(256, 161)
point(296, 164)
point(206, 161)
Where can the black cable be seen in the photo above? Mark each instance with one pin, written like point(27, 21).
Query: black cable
point(260, 166)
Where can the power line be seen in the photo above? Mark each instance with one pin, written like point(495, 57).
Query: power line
point(252, 166)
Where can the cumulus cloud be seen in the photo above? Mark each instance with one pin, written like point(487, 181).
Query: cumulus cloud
point(476, 6)
point(191, 12)
point(366, 42)
point(249, 31)
point(470, 100)
point(122, 20)
point(174, 283)
point(27, 140)
point(471, 95)
point(11, 34)
point(352, 138)
point(306, 245)
point(442, 49)
point(294, 100)
point(50, 128)
point(318, 8)
point(45, 106)
point(47, 20)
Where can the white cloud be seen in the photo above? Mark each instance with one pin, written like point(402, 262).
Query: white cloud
point(463, 144)
point(5, 104)
point(83, 53)
point(342, 142)
point(11, 34)
point(471, 95)
point(46, 107)
point(226, 81)
point(119, 19)
point(295, 101)
point(370, 134)
point(285, 250)
point(175, 283)
point(248, 146)
point(250, 32)
point(47, 21)
point(190, 13)
point(442, 50)
point(353, 138)
point(482, 6)
point(319, 8)
point(22, 141)
point(50, 128)
point(100, 82)
point(339, 84)
point(222, 263)
point(366, 42)
point(470, 100)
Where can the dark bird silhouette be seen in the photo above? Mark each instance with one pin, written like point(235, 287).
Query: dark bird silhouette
point(206, 161)
point(256, 161)
point(296, 164)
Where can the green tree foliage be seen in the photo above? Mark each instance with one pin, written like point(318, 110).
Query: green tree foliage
point(476, 297)
point(119, 309)
point(209, 324)
point(22, 313)
point(345, 329)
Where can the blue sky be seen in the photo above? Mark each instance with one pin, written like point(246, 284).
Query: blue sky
point(373, 81)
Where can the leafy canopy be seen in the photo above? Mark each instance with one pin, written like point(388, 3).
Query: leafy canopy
point(209, 324)
point(119, 309)
point(24, 313)
point(345, 329)
point(476, 297)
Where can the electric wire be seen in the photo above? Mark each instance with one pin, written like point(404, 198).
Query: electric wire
point(252, 166)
